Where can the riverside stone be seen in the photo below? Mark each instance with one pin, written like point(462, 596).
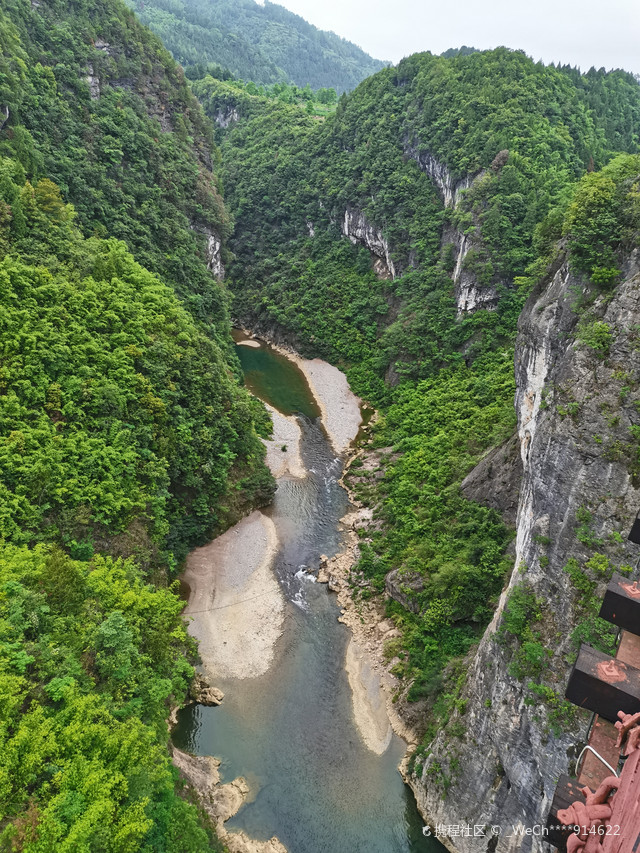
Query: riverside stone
point(203, 693)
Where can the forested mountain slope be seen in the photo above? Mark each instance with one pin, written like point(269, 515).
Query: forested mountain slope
point(96, 104)
point(122, 433)
point(400, 238)
point(264, 43)
point(99, 115)
point(124, 436)
point(522, 132)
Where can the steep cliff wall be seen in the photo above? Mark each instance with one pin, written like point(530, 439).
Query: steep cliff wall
point(213, 249)
point(470, 293)
point(578, 372)
point(450, 187)
point(359, 230)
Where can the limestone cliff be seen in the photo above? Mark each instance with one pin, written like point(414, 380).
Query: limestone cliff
point(359, 230)
point(470, 293)
point(578, 375)
point(451, 188)
point(213, 249)
point(226, 116)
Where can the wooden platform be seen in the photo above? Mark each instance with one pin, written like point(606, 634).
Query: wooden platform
point(608, 685)
point(624, 835)
point(603, 739)
point(629, 649)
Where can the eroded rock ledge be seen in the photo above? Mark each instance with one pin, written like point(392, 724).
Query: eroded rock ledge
point(221, 801)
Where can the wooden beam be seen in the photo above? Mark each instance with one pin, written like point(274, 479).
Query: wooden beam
point(567, 792)
point(603, 685)
point(621, 605)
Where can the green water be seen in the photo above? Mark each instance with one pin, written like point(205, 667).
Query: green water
point(277, 380)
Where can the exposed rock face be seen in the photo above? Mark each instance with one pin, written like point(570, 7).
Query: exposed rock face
point(94, 83)
point(496, 480)
point(214, 249)
point(403, 588)
point(358, 229)
point(225, 116)
point(203, 693)
point(574, 411)
point(104, 46)
point(450, 187)
point(214, 256)
point(470, 294)
point(221, 802)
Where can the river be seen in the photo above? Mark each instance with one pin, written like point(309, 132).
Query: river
point(291, 732)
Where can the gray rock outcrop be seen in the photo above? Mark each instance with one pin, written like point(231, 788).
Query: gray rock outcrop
point(213, 249)
point(495, 481)
point(470, 294)
point(359, 230)
point(93, 82)
point(203, 693)
point(221, 801)
point(226, 116)
point(451, 188)
point(576, 416)
point(403, 588)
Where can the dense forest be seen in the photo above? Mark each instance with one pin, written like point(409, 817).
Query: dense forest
point(97, 105)
point(518, 135)
point(125, 438)
point(262, 43)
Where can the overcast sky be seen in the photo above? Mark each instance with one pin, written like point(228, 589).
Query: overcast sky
point(579, 32)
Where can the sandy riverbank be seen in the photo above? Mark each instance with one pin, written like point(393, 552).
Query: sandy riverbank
point(369, 700)
point(368, 667)
point(341, 415)
point(231, 578)
point(236, 607)
point(371, 683)
point(339, 406)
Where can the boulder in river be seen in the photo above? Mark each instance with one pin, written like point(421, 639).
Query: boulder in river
point(203, 693)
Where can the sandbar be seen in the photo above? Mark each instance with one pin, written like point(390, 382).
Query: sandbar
point(369, 700)
point(236, 608)
point(286, 434)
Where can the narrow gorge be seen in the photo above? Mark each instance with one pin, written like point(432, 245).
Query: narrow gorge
point(319, 436)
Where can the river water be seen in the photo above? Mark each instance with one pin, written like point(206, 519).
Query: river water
point(291, 733)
